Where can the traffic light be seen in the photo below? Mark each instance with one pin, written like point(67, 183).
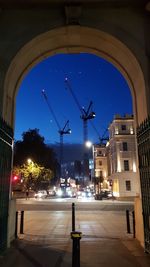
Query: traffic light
point(15, 178)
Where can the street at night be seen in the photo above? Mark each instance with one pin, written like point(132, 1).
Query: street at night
point(64, 204)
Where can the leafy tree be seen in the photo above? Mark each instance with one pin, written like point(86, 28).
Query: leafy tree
point(33, 175)
point(33, 146)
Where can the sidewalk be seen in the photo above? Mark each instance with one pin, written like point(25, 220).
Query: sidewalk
point(46, 241)
point(102, 253)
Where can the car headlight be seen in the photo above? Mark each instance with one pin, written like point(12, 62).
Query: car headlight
point(70, 193)
point(59, 193)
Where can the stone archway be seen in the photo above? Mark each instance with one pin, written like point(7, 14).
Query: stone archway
point(76, 39)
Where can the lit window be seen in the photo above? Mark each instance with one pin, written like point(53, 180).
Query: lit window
point(116, 130)
point(134, 167)
point(131, 130)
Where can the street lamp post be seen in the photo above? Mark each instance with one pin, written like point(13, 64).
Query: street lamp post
point(91, 165)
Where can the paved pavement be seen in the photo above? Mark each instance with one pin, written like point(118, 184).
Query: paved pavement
point(46, 241)
point(104, 252)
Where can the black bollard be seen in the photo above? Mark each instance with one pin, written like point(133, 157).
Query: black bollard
point(128, 222)
point(16, 225)
point(76, 236)
point(22, 222)
point(133, 220)
point(73, 217)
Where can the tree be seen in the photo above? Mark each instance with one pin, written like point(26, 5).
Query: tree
point(33, 176)
point(33, 146)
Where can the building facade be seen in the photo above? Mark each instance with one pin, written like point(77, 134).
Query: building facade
point(100, 173)
point(72, 169)
point(122, 157)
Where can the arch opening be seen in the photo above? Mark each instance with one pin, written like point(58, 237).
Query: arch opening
point(75, 39)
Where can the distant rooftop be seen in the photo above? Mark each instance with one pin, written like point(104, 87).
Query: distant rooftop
point(126, 116)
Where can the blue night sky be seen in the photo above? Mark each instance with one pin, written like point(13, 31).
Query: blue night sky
point(91, 77)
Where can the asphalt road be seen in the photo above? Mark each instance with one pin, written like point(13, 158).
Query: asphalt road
point(61, 204)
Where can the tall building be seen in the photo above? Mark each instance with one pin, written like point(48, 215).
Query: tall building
point(78, 170)
point(122, 157)
point(100, 167)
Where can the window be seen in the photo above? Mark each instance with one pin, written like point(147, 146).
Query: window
point(123, 127)
point(100, 163)
point(116, 130)
point(126, 165)
point(125, 146)
point(99, 152)
point(128, 185)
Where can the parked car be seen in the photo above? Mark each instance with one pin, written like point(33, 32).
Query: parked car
point(51, 193)
point(104, 194)
point(84, 194)
point(41, 194)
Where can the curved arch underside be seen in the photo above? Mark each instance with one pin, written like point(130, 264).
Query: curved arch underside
point(75, 39)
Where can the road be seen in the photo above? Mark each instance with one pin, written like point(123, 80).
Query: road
point(62, 204)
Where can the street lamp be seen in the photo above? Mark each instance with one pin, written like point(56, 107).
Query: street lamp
point(29, 161)
point(88, 144)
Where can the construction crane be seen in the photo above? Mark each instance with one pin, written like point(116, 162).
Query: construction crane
point(103, 137)
point(61, 131)
point(85, 114)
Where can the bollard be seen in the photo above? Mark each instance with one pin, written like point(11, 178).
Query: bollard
point(73, 217)
point(16, 225)
point(133, 220)
point(21, 222)
point(76, 236)
point(128, 222)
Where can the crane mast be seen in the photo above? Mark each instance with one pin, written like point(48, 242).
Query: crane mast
point(85, 114)
point(62, 131)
